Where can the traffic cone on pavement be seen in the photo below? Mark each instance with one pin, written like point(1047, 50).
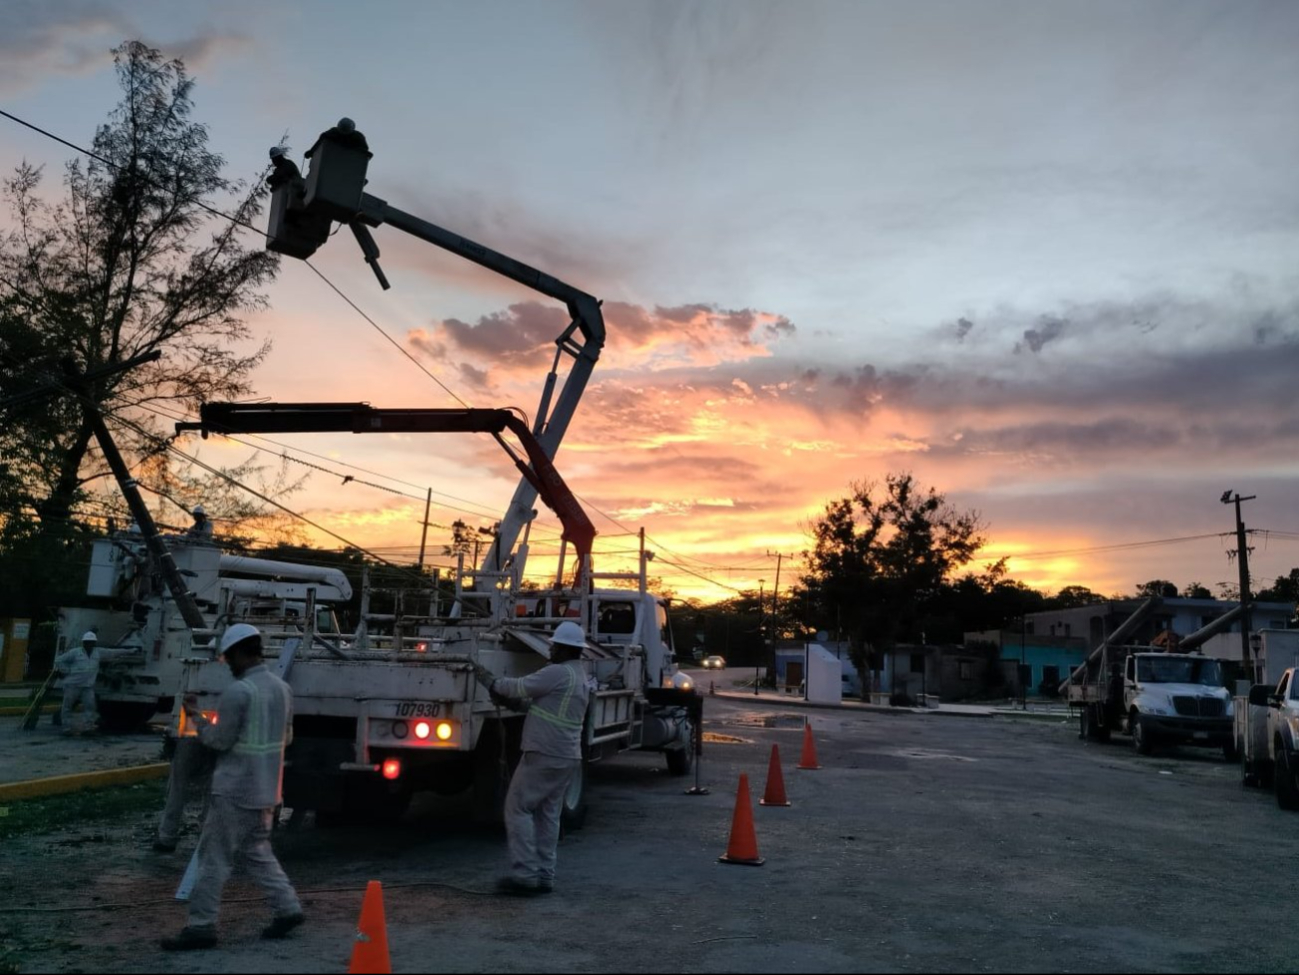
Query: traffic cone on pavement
point(808, 761)
point(370, 951)
point(743, 846)
point(775, 792)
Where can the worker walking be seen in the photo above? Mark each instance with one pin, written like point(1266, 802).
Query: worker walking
point(80, 669)
point(253, 726)
point(191, 766)
point(555, 698)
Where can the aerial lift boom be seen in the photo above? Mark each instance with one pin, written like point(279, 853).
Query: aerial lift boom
point(302, 213)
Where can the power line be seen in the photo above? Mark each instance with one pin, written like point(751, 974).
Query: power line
point(261, 233)
point(1121, 546)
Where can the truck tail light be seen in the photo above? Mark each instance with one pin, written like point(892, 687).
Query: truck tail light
point(422, 730)
point(391, 768)
point(444, 731)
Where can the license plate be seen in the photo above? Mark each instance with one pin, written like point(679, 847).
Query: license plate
point(417, 709)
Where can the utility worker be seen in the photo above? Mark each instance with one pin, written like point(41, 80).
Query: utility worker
point(80, 669)
point(202, 527)
point(555, 698)
point(191, 764)
point(252, 728)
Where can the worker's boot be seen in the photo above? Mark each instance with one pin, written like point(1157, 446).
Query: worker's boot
point(281, 925)
point(191, 939)
point(517, 888)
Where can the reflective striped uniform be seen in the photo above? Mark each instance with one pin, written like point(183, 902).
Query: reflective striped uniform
point(552, 755)
point(252, 729)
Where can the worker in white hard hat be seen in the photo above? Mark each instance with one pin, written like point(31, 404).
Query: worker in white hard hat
point(555, 698)
point(202, 526)
point(80, 669)
point(252, 727)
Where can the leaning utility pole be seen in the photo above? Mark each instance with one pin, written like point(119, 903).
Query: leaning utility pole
point(1242, 563)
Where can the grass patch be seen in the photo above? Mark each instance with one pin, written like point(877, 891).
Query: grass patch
point(30, 816)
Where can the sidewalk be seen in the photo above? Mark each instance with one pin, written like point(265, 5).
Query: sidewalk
point(767, 696)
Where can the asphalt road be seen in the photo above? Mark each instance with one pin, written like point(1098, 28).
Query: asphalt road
point(926, 843)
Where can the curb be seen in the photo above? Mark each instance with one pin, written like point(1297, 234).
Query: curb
point(888, 708)
point(18, 712)
point(61, 784)
point(849, 706)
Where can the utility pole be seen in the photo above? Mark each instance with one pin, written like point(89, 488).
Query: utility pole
point(1242, 563)
point(775, 620)
point(757, 664)
point(423, 534)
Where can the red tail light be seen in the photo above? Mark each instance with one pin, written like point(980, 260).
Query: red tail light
point(391, 768)
point(422, 730)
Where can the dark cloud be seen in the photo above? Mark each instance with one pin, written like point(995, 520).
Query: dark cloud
point(477, 378)
point(1036, 338)
point(963, 326)
point(72, 37)
point(524, 334)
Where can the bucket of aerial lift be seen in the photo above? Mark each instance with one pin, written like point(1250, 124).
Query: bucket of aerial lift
point(291, 229)
point(336, 178)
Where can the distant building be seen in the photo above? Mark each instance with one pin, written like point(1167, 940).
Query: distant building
point(1048, 645)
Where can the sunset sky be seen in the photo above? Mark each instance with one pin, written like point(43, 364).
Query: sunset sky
point(1041, 255)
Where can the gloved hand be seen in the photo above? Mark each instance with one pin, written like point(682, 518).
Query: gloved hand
point(500, 700)
point(484, 675)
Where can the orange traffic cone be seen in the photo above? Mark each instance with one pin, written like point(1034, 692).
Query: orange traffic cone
point(743, 846)
point(808, 761)
point(775, 794)
point(370, 951)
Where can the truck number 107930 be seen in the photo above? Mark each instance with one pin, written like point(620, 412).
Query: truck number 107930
point(418, 709)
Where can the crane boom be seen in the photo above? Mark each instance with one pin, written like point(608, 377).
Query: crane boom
point(538, 471)
point(302, 212)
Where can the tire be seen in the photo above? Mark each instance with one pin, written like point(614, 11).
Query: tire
point(367, 802)
point(1283, 780)
point(572, 815)
point(680, 760)
point(124, 717)
point(495, 759)
point(1085, 730)
point(1141, 738)
point(1248, 777)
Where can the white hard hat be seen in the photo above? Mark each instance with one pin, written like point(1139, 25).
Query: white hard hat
point(238, 634)
point(198, 510)
point(89, 637)
point(569, 634)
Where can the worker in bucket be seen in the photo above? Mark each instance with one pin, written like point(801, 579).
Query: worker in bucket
point(202, 527)
point(252, 727)
point(555, 698)
point(80, 669)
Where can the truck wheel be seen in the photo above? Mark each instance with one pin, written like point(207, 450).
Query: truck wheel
point(1085, 723)
point(1248, 778)
point(572, 815)
point(1141, 738)
point(495, 758)
point(680, 760)
point(124, 717)
point(1283, 781)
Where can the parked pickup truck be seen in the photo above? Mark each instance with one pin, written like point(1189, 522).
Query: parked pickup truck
point(1269, 732)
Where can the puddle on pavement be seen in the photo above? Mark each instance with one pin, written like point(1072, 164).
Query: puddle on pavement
point(765, 719)
point(925, 753)
point(720, 739)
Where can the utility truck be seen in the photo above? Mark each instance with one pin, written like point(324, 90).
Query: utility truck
point(381, 718)
point(1171, 696)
